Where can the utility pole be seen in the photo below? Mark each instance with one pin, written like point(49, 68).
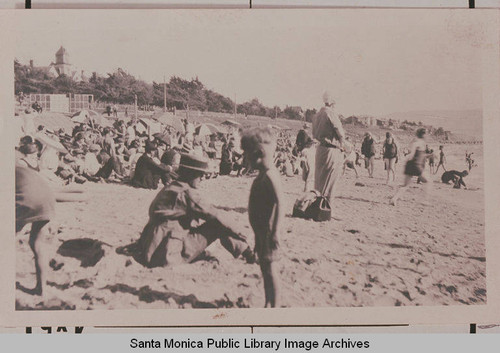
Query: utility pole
point(135, 107)
point(164, 95)
point(235, 105)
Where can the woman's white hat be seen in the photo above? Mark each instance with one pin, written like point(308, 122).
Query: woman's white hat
point(327, 98)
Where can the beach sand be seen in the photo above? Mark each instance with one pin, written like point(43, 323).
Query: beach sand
point(371, 254)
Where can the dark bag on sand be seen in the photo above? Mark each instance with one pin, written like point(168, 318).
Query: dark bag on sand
point(312, 206)
point(302, 204)
point(320, 210)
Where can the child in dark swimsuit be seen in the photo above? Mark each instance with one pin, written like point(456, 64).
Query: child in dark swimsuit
point(442, 160)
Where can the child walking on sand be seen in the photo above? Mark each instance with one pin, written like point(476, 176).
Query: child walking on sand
point(265, 206)
point(442, 160)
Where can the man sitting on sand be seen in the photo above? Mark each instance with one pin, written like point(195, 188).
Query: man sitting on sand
point(456, 177)
point(173, 234)
point(147, 172)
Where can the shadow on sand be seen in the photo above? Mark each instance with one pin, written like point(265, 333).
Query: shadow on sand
point(148, 295)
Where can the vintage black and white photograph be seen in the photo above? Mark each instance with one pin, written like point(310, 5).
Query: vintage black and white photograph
point(248, 159)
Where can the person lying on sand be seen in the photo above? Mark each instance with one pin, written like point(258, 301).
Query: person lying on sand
point(455, 177)
point(171, 235)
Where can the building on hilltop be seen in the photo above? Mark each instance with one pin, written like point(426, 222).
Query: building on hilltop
point(62, 66)
point(64, 103)
point(367, 121)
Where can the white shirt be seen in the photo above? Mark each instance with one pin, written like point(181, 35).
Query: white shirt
point(91, 165)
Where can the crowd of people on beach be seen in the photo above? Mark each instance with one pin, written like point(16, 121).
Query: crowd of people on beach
point(182, 223)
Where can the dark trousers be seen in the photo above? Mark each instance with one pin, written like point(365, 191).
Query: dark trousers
point(113, 164)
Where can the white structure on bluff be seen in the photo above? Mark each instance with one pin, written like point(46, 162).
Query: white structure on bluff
point(62, 66)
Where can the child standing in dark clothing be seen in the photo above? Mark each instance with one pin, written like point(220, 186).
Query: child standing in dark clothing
point(265, 206)
point(442, 160)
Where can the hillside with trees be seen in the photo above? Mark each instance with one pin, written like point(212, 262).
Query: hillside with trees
point(121, 87)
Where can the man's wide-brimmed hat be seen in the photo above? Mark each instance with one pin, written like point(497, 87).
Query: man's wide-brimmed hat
point(193, 162)
point(28, 148)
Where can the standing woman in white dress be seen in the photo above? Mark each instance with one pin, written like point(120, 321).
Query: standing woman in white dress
point(328, 131)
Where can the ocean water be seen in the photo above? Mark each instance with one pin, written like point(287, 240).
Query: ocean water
point(469, 123)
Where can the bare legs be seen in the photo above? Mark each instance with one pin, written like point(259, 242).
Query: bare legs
point(427, 186)
point(437, 168)
point(39, 231)
point(270, 283)
point(389, 165)
point(370, 166)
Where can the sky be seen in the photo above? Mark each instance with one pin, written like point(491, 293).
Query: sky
point(372, 61)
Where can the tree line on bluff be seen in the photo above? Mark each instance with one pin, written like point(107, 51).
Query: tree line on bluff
point(120, 87)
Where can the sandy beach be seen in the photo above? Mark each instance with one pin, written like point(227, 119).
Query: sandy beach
point(371, 254)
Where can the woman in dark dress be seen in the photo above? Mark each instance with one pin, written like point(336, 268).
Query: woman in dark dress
point(415, 166)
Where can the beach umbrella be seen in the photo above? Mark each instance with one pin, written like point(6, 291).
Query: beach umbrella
point(271, 126)
point(90, 117)
point(80, 117)
point(213, 128)
point(148, 125)
point(163, 137)
point(202, 130)
point(231, 123)
point(171, 120)
point(84, 115)
point(49, 142)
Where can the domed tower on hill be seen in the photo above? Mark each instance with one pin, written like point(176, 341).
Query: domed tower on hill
point(62, 65)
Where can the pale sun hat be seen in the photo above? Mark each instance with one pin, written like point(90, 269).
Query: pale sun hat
point(327, 98)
